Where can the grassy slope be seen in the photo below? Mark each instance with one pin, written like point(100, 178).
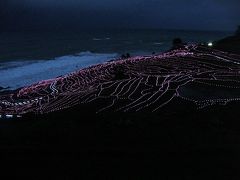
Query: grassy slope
point(230, 44)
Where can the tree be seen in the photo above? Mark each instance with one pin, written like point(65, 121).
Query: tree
point(119, 73)
point(237, 33)
point(177, 43)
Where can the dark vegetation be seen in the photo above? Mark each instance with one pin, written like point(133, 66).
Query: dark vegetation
point(230, 44)
point(237, 33)
point(120, 73)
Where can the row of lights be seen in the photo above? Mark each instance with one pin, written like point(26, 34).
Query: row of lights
point(9, 116)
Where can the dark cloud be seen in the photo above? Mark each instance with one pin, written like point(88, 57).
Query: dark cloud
point(78, 14)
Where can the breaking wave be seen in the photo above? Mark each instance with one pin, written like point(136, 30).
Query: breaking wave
point(18, 73)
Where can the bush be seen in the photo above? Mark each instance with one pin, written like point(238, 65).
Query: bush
point(238, 31)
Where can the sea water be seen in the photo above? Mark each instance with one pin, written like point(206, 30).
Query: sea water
point(28, 57)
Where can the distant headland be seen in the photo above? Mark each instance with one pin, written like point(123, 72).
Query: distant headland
point(230, 44)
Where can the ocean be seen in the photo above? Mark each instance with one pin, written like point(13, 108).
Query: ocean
point(29, 57)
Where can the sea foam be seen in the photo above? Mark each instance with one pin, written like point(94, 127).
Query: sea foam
point(18, 74)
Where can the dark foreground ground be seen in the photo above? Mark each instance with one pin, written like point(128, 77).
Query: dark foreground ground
point(179, 141)
point(182, 145)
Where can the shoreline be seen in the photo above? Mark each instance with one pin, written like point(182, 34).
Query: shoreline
point(229, 44)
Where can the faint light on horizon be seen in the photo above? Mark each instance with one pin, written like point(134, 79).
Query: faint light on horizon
point(210, 44)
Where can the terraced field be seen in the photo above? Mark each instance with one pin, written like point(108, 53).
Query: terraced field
point(198, 75)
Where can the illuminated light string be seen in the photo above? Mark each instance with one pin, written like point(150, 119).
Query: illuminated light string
point(148, 84)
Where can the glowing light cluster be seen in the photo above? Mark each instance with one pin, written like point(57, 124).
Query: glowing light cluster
point(147, 83)
point(210, 44)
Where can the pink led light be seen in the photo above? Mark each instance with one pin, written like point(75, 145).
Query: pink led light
point(149, 83)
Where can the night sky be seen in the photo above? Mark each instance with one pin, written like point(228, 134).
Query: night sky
point(84, 14)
